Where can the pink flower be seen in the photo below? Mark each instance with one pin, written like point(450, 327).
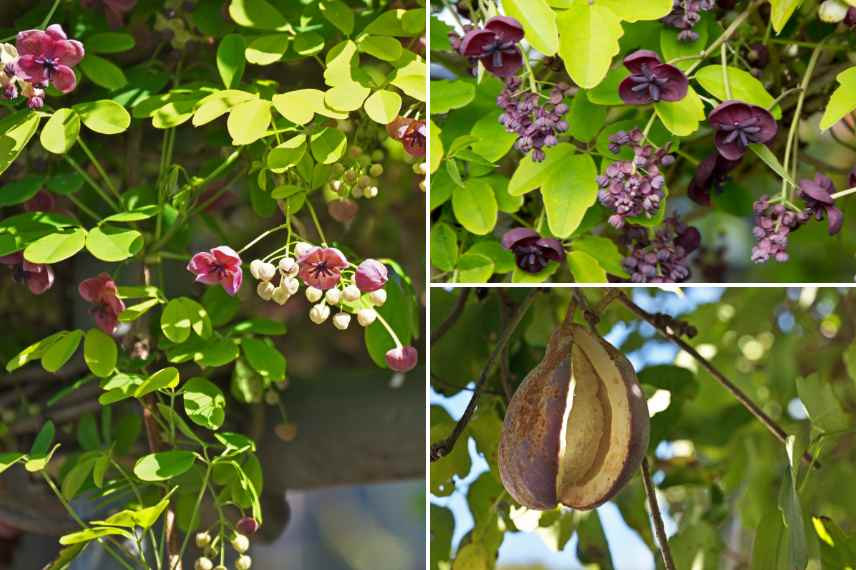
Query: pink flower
point(220, 265)
point(41, 202)
point(101, 291)
point(39, 278)
point(322, 267)
point(48, 56)
point(371, 275)
point(402, 359)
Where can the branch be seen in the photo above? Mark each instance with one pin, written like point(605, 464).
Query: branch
point(659, 529)
point(444, 447)
point(671, 329)
point(453, 317)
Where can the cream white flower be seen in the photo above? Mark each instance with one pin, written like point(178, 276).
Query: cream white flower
point(302, 248)
point(341, 321)
point(319, 313)
point(366, 317)
point(314, 294)
point(333, 296)
point(377, 298)
point(281, 294)
point(267, 271)
point(352, 293)
point(265, 290)
point(288, 265)
point(255, 268)
point(292, 284)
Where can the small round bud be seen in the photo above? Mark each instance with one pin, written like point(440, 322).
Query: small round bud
point(371, 192)
point(203, 539)
point(203, 564)
point(371, 275)
point(255, 267)
point(336, 185)
point(292, 284)
point(265, 290)
point(351, 293)
point(314, 294)
point(376, 170)
point(341, 321)
point(333, 296)
point(243, 563)
point(832, 11)
point(319, 313)
point(240, 543)
point(422, 186)
point(302, 248)
point(339, 168)
point(364, 181)
point(366, 317)
point(286, 432)
point(281, 295)
point(377, 155)
point(247, 526)
point(271, 397)
point(357, 192)
point(355, 151)
point(288, 265)
point(267, 271)
point(350, 177)
point(377, 298)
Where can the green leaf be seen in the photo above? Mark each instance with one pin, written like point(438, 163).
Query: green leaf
point(531, 175)
point(19, 191)
point(585, 268)
point(220, 306)
point(76, 477)
point(33, 352)
point(473, 556)
point(286, 155)
point(299, 106)
point(230, 59)
point(636, 10)
point(110, 42)
point(248, 121)
point(100, 353)
point(60, 132)
point(539, 23)
point(604, 251)
point(447, 95)
point(105, 117)
point(585, 119)
point(134, 312)
point(411, 80)
point(103, 72)
point(503, 259)
point(588, 40)
point(474, 205)
point(328, 145)
point(843, 99)
point(766, 155)
point(436, 144)
point(37, 463)
point(265, 359)
point(789, 504)
point(180, 316)
point(494, 140)
point(61, 351)
point(90, 534)
point(9, 459)
point(17, 129)
point(781, 11)
point(56, 247)
point(204, 403)
point(257, 14)
point(383, 106)
point(444, 247)
point(163, 466)
point(109, 243)
point(568, 193)
point(44, 439)
point(383, 48)
point(160, 380)
point(744, 87)
point(217, 104)
point(474, 268)
point(824, 408)
point(267, 50)
point(308, 43)
point(672, 48)
point(681, 117)
point(339, 14)
point(592, 547)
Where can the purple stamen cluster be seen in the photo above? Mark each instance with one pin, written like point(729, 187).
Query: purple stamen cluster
point(685, 15)
point(633, 187)
point(537, 122)
point(773, 225)
point(663, 258)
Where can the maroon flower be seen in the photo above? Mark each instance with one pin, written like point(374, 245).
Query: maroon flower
point(711, 174)
point(496, 45)
point(409, 132)
point(114, 10)
point(247, 526)
point(101, 291)
point(532, 252)
point(38, 277)
point(220, 265)
point(850, 18)
point(402, 358)
point(738, 124)
point(651, 80)
point(41, 202)
point(817, 195)
point(371, 275)
point(322, 267)
point(47, 57)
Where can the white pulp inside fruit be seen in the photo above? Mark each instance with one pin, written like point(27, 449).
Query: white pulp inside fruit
point(595, 438)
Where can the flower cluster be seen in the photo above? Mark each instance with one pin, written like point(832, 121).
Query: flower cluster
point(633, 187)
point(102, 292)
point(536, 122)
point(663, 258)
point(38, 277)
point(773, 224)
point(817, 194)
point(210, 546)
point(495, 45)
point(709, 176)
point(738, 124)
point(356, 181)
point(651, 80)
point(685, 15)
point(531, 251)
point(411, 133)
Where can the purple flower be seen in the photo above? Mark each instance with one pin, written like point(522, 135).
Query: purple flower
point(531, 251)
point(738, 124)
point(219, 265)
point(651, 80)
point(247, 526)
point(496, 45)
point(711, 174)
point(371, 276)
point(402, 358)
point(411, 133)
point(47, 57)
point(685, 15)
point(850, 18)
point(322, 267)
point(663, 258)
point(38, 277)
point(817, 195)
point(101, 291)
point(773, 225)
point(537, 121)
point(41, 202)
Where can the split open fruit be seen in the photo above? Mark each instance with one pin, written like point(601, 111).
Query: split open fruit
point(577, 428)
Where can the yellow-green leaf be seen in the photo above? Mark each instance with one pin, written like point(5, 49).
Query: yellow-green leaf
point(588, 40)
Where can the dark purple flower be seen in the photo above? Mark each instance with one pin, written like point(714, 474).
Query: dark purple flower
point(651, 80)
point(817, 195)
point(738, 124)
point(41, 202)
point(38, 277)
point(663, 258)
point(402, 358)
point(531, 251)
point(247, 526)
point(711, 174)
point(537, 121)
point(685, 15)
point(371, 275)
point(496, 45)
point(758, 56)
point(322, 267)
point(47, 57)
point(411, 133)
point(773, 225)
point(219, 265)
point(101, 291)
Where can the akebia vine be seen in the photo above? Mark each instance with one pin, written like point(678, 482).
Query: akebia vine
point(168, 133)
point(641, 136)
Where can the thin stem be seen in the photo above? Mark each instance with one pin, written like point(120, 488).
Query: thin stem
point(99, 168)
point(94, 185)
point(533, 86)
point(649, 125)
point(316, 222)
point(725, 82)
point(83, 207)
point(444, 447)
point(49, 15)
point(726, 35)
point(782, 95)
point(843, 193)
point(177, 562)
point(139, 497)
point(453, 317)
point(659, 529)
point(389, 330)
point(262, 236)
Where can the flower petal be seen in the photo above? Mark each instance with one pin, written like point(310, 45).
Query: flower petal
point(638, 58)
point(63, 78)
point(512, 237)
point(631, 97)
point(202, 262)
point(227, 256)
point(40, 281)
point(475, 42)
point(677, 84)
point(506, 28)
point(836, 220)
point(93, 288)
point(509, 63)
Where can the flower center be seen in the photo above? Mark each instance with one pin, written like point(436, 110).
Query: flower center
point(322, 268)
point(742, 132)
point(495, 49)
point(647, 81)
point(49, 63)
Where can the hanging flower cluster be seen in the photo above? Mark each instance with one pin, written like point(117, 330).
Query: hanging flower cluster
point(662, 257)
point(38, 277)
point(102, 292)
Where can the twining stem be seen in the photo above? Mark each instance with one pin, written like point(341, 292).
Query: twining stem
point(139, 497)
point(94, 160)
point(725, 82)
point(83, 207)
point(49, 15)
point(317, 223)
point(659, 529)
point(670, 333)
point(389, 330)
point(726, 35)
point(176, 563)
point(453, 317)
point(782, 95)
point(444, 447)
point(94, 185)
point(262, 236)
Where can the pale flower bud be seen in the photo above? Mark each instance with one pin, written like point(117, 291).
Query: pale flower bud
point(240, 543)
point(371, 192)
point(376, 170)
point(333, 296)
point(203, 539)
point(319, 313)
point(377, 298)
point(203, 564)
point(314, 294)
point(351, 293)
point(243, 563)
point(267, 271)
point(288, 265)
point(357, 192)
point(832, 11)
point(293, 285)
point(302, 248)
point(341, 321)
point(366, 317)
point(281, 294)
point(265, 290)
point(255, 267)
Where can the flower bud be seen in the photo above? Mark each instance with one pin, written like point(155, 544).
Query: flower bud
point(302, 248)
point(351, 293)
point(366, 317)
point(371, 275)
point(243, 563)
point(333, 296)
point(377, 298)
point(376, 170)
point(271, 397)
point(357, 192)
point(255, 267)
point(240, 543)
point(247, 526)
point(832, 11)
point(371, 192)
point(281, 295)
point(339, 168)
point(314, 294)
point(203, 539)
point(286, 432)
point(288, 265)
point(341, 320)
point(265, 290)
point(267, 271)
point(402, 359)
point(355, 151)
point(203, 564)
point(293, 285)
point(364, 181)
point(319, 313)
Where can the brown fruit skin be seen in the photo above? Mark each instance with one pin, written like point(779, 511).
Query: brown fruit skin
point(528, 454)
